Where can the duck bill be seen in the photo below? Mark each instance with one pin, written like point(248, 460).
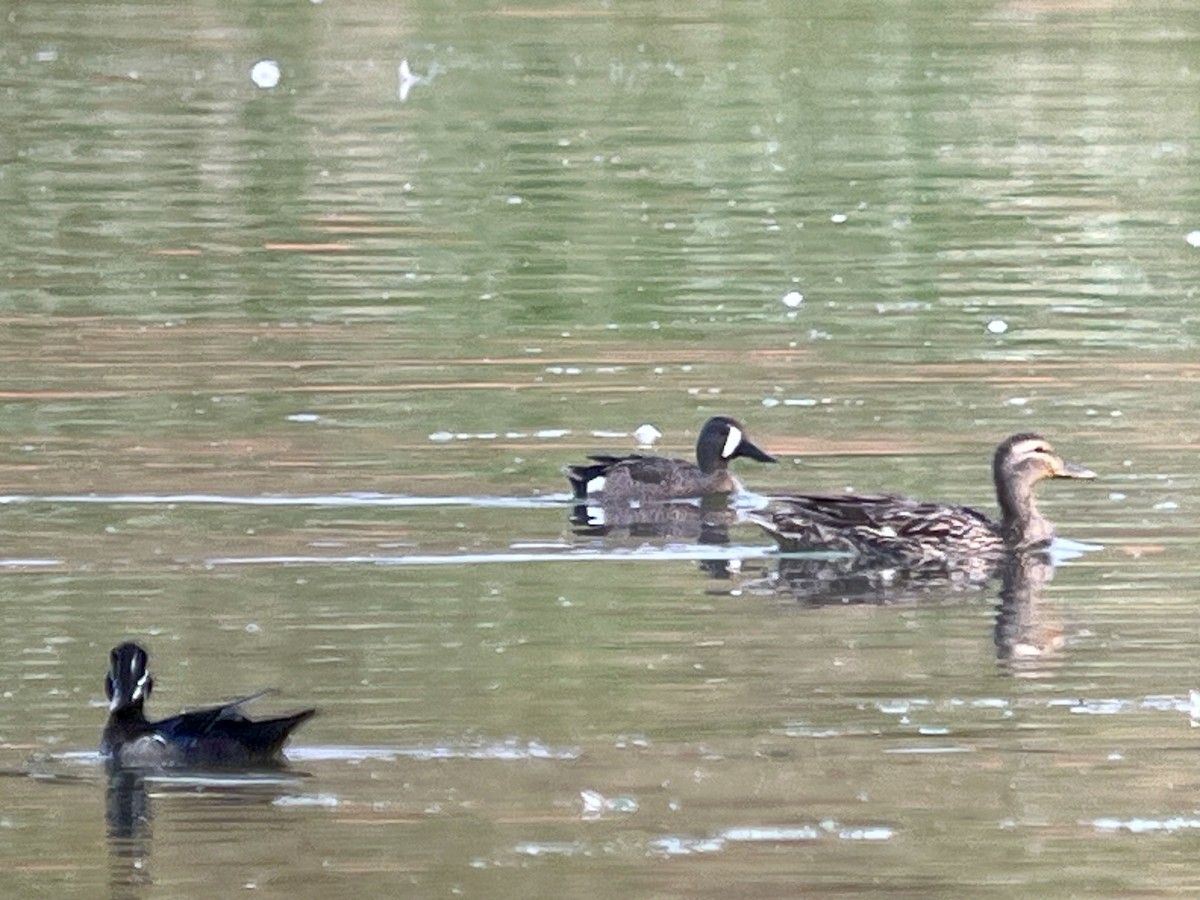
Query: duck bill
point(1071, 470)
point(751, 451)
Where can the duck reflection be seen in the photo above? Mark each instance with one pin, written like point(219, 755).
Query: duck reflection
point(1028, 632)
point(705, 521)
point(221, 801)
point(825, 581)
point(128, 812)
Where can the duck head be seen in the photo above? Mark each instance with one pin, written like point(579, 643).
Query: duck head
point(1021, 461)
point(723, 439)
point(128, 682)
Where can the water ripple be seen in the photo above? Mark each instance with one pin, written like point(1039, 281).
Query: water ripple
point(680, 552)
point(505, 751)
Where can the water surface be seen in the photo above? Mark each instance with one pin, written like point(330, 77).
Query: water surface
point(290, 375)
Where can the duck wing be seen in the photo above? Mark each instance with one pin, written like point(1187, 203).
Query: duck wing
point(887, 526)
point(224, 736)
point(198, 723)
point(582, 476)
point(635, 473)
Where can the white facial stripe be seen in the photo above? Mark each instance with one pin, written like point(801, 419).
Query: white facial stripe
point(133, 665)
point(731, 442)
point(596, 485)
point(140, 687)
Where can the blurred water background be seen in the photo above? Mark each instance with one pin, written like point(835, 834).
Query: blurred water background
point(289, 373)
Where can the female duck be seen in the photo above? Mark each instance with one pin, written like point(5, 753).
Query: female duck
point(216, 737)
point(901, 531)
point(639, 478)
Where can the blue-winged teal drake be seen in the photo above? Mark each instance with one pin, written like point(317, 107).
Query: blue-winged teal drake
point(898, 530)
point(216, 737)
point(638, 478)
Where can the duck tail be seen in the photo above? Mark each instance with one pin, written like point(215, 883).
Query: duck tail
point(582, 475)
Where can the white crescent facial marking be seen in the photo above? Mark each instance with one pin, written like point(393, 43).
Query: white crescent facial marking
point(731, 442)
point(596, 485)
point(133, 665)
point(140, 686)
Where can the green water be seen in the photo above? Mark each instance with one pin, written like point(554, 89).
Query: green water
point(246, 334)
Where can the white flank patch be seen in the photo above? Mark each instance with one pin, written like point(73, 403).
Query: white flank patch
point(596, 485)
point(596, 515)
point(731, 442)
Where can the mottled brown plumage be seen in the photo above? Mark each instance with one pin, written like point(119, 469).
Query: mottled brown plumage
point(903, 531)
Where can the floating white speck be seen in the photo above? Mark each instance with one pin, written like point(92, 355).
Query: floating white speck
point(1116, 495)
point(407, 79)
point(441, 436)
point(46, 54)
point(593, 802)
point(997, 326)
point(265, 73)
point(838, 218)
point(1193, 238)
point(646, 435)
point(304, 417)
point(514, 200)
point(1166, 504)
point(792, 299)
point(1017, 401)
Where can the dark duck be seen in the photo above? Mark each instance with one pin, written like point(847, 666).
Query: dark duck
point(215, 737)
point(637, 478)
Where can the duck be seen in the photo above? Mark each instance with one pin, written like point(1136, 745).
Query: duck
point(214, 737)
point(638, 478)
point(903, 531)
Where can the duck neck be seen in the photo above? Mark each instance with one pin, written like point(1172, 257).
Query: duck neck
point(709, 459)
point(1021, 524)
point(130, 713)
